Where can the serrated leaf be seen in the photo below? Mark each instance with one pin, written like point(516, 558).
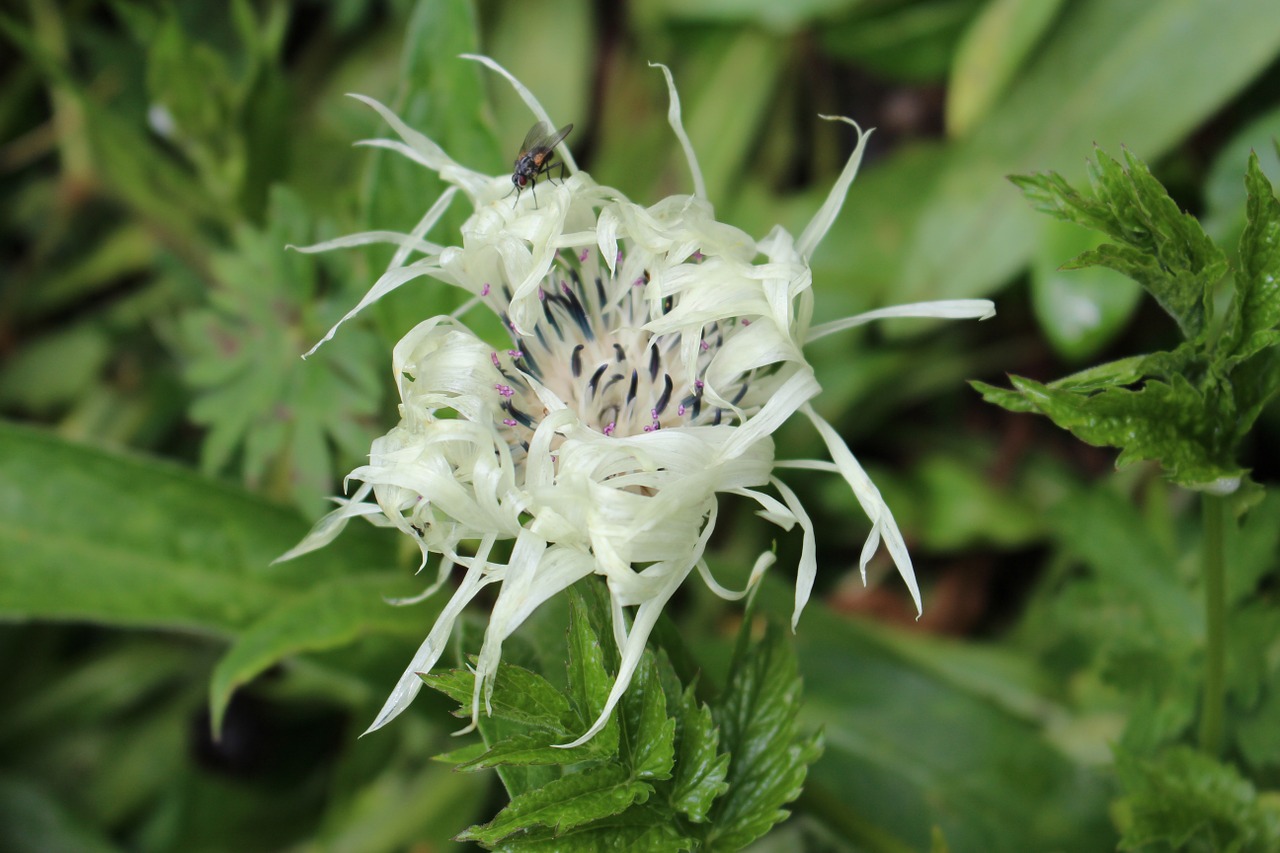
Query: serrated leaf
point(533, 748)
point(769, 760)
point(462, 754)
point(701, 770)
point(519, 696)
point(589, 681)
point(1156, 244)
point(648, 734)
point(640, 829)
point(570, 801)
point(1003, 397)
point(1171, 422)
point(1255, 311)
point(1187, 800)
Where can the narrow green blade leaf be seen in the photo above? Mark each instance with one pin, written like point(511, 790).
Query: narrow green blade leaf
point(640, 829)
point(592, 794)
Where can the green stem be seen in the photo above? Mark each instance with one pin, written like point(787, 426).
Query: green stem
point(1213, 709)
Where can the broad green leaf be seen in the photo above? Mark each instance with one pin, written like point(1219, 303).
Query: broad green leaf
point(1188, 801)
point(519, 696)
point(769, 758)
point(648, 734)
point(1105, 77)
point(1079, 310)
point(906, 40)
point(701, 768)
point(1255, 311)
point(591, 794)
point(990, 54)
point(332, 613)
point(121, 540)
point(780, 18)
point(908, 747)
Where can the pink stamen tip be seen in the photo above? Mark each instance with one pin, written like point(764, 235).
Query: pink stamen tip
point(697, 383)
point(564, 285)
point(542, 295)
point(705, 346)
point(648, 429)
point(746, 322)
point(504, 390)
point(697, 256)
point(612, 425)
point(515, 353)
point(493, 356)
point(582, 256)
point(484, 291)
point(509, 422)
point(640, 282)
point(619, 258)
point(653, 413)
point(680, 411)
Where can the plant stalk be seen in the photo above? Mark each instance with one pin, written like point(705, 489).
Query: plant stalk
point(1213, 708)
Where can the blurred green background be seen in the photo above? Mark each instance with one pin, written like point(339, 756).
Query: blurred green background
point(162, 440)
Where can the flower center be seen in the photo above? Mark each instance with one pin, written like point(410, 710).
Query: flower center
point(591, 350)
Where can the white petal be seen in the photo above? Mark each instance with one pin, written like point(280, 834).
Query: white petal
point(433, 646)
point(872, 504)
point(677, 125)
point(807, 571)
point(945, 309)
point(821, 222)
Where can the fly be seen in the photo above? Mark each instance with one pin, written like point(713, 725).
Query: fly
point(536, 157)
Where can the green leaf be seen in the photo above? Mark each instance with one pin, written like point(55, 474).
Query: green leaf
point(332, 613)
point(1005, 398)
point(589, 681)
point(1157, 245)
point(124, 540)
point(990, 54)
point(1255, 311)
point(648, 734)
point(701, 770)
point(757, 719)
point(591, 794)
point(1170, 422)
point(1080, 310)
point(1105, 77)
point(534, 748)
point(1187, 800)
point(640, 829)
point(519, 696)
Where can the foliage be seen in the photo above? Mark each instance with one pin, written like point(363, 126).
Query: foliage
point(162, 441)
point(1190, 407)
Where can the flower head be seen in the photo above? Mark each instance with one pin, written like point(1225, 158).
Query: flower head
point(652, 353)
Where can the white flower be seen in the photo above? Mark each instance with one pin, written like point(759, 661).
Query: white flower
point(653, 352)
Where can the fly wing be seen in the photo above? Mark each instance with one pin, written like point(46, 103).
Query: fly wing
point(534, 139)
point(541, 138)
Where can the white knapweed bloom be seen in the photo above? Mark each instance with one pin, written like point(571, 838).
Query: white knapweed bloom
point(653, 351)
